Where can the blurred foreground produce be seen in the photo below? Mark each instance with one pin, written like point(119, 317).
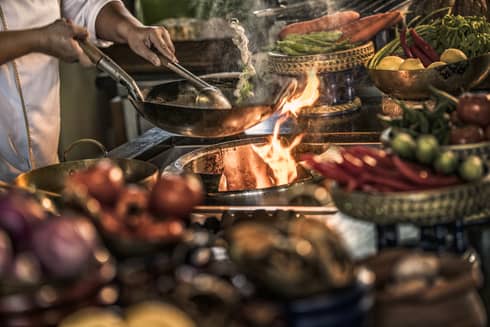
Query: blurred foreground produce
point(130, 213)
point(38, 248)
point(148, 314)
point(425, 289)
point(293, 259)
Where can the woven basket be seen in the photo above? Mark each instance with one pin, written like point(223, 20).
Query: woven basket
point(329, 62)
point(426, 208)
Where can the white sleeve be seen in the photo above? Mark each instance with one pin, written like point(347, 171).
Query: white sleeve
point(84, 13)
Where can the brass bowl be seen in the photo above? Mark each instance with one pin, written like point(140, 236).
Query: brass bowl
point(414, 84)
point(324, 63)
point(431, 207)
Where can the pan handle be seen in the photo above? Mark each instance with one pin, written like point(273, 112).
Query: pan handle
point(107, 65)
point(70, 147)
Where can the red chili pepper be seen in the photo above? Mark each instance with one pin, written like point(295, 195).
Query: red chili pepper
point(427, 49)
point(332, 171)
point(381, 156)
point(423, 177)
point(403, 42)
point(419, 54)
point(396, 185)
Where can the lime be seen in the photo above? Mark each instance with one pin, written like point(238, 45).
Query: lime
point(472, 169)
point(403, 145)
point(446, 163)
point(427, 149)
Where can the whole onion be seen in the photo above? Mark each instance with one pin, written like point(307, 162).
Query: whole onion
point(19, 213)
point(5, 254)
point(175, 196)
point(61, 248)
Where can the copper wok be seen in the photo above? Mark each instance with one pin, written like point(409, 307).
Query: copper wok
point(191, 120)
point(50, 180)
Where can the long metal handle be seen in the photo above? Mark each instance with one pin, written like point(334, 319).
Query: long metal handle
point(196, 81)
point(107, 65)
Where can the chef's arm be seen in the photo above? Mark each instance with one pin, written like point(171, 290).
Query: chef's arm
point(15, 44)
point(115, 23)
point(56, 39)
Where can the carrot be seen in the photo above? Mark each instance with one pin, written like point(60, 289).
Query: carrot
point(324, 23)
point(366, 28)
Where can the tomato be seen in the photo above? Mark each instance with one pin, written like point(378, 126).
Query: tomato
point(474, 109)
point(466, 134)
point(427, 149)
point(404, 145)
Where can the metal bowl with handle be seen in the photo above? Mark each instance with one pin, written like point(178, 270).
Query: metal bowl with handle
point(415, 84)
point(51, 179)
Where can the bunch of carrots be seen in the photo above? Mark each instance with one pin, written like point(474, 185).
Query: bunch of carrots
point(371, 170)
point(353, 28)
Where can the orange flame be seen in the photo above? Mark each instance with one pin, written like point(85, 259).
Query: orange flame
point(307, 98)
point(275, 154)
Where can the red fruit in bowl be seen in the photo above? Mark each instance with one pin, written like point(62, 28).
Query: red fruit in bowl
point(174, 196)
point(103, 181)
point(466, 134)
point(474, 109)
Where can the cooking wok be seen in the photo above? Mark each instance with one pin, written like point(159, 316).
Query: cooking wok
point(50, 180)
point(188, 118)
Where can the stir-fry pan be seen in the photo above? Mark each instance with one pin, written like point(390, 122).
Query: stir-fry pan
point(188, 118)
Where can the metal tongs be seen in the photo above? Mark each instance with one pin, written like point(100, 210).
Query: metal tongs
point(209, 96)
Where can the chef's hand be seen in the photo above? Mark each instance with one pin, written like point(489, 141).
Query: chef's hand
point(145, 41)
point(59, 40)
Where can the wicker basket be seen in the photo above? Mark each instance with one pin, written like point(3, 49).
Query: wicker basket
point(426, 208)
point(323, 63)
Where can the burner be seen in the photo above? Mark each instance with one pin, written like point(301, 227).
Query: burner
point(208, 163)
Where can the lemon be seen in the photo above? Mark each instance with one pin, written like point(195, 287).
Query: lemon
point(453, 55)
point(436, 64)
point(390, 63)
point(412, 64)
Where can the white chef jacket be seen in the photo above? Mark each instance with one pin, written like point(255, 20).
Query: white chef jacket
point(29, 139)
